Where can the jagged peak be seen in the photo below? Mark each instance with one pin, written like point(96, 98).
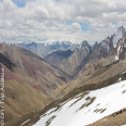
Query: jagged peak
point(95, 44)
point(121, 29)
point(85, 44)
point(121, 32)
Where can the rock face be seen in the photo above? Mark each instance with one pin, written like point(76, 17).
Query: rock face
point(121, 47)
point(121, 33)
point(29, 81)
point(103, 48)
point(111, 46)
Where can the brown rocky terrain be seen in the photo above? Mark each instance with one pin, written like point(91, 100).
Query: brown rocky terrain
point(29, 81)
point(117, 119)
point(102, 77)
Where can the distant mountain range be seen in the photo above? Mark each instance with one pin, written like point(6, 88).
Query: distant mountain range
point(45, 48)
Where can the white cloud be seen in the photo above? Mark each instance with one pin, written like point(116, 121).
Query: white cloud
point(60, 19)
point(76, 26)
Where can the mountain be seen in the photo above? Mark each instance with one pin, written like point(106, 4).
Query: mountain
point(31, 83)
point(94, 100)
point(45, 48)
point(121, 45)
point(82, 58)
point(110, 49)
point(103, 48)
point(71, 60)
point(72, 85)
point(85, 59)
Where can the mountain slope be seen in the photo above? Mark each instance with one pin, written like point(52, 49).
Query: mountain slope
point(102, 78)
point(32, 65)
point(28, 79)
point(87, 107)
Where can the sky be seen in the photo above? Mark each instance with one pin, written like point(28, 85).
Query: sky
point(60, 20)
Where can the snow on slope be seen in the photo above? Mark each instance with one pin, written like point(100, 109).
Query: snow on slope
point(87, 108)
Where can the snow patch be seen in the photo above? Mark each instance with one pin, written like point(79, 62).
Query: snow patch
point(25, 122)
point(88, 109)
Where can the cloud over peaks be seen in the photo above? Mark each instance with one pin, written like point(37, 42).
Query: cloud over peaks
point(72, 20)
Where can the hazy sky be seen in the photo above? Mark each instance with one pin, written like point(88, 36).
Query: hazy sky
point(72, 20)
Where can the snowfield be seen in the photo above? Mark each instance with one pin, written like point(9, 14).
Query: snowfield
point(86, 108)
